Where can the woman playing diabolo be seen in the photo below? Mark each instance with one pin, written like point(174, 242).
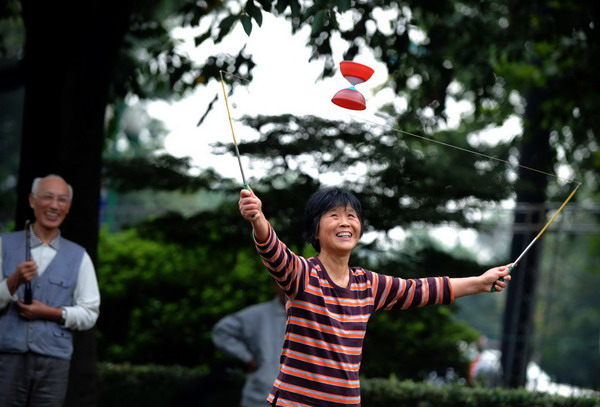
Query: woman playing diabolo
point(329, 302)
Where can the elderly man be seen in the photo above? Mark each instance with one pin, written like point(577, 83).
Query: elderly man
point(36, 339)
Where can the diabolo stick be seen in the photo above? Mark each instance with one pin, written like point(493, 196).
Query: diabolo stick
point(28, 294)
point(512, 267)
point(237, 151)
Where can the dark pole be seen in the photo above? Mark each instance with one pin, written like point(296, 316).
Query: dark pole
point(517, 338)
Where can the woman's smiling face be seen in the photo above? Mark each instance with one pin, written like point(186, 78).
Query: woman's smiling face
point(339, 230)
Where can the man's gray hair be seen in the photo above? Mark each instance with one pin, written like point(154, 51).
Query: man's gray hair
point(36, 184)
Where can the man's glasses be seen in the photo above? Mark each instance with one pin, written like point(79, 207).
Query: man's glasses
point(61, 200)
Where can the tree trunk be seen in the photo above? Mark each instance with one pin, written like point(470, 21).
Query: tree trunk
point(535, 152)
point(68, 65)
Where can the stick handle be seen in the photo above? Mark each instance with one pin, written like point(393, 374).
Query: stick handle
point(28, 297)
point(247, 187)
point(510, 269)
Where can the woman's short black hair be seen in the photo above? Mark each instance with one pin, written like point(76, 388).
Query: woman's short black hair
point(323, 201)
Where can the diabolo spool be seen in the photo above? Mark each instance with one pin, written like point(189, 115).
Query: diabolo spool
point(350, 98)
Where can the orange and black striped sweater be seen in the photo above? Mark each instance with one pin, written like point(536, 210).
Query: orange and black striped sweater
point(326, 324)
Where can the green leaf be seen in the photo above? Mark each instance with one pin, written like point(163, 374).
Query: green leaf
point(225, 26)
point(254, 12)
point(256, 15)
point(318, 22)
point(227, 22)
point(343, 5)
point(310, 11)
point(247, 23)
point(203, 37)
point(295, 7)
point(266, 5)
point(281, 6)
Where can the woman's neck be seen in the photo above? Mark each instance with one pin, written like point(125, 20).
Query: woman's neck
point(336, 267)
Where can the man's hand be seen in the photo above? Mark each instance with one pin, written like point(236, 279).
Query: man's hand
point(38, 310)
point(252, 366)
point(25, 272)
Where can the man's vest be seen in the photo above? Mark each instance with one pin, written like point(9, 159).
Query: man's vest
point(54, 288)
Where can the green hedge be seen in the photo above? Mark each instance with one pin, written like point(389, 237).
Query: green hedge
point(390, 392)
point(124, 385)
point(160, 386)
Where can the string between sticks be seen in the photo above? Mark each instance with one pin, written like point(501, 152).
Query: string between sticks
point(466, 150)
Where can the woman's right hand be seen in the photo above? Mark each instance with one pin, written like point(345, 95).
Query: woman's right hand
point(249, 204)
point(251, 209)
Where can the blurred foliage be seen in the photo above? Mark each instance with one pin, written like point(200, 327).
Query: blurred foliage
point(161, 299)
point(400, 180)
point(162, 172)
point(10, 125)
point(388, 392)
point(149, 385)
point(569, 309)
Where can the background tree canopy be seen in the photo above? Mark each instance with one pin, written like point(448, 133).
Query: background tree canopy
point(535, 60)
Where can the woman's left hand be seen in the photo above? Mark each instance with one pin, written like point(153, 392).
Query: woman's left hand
point(496, 278)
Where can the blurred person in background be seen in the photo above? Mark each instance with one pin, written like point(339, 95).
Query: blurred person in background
point(254, 335)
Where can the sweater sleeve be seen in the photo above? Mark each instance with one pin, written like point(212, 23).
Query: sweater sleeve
point(287, 268)
point(399, 293)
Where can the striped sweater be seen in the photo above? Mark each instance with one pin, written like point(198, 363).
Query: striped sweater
point(326, 324)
